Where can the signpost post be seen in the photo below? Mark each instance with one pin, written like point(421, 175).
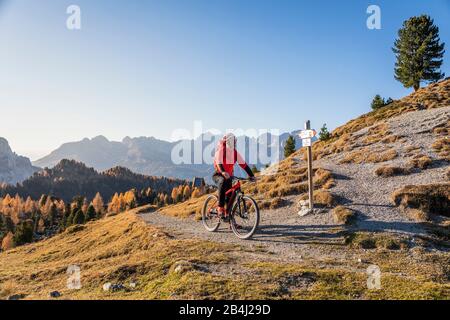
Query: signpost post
point(306, 136)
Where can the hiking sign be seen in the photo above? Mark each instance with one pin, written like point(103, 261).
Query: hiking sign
point(306, 136)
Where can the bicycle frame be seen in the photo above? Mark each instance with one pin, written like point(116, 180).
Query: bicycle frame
point(232, 193)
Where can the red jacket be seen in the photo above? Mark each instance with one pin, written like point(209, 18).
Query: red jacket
point(225, 159)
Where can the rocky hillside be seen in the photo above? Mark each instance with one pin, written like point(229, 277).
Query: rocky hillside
point(13, 168)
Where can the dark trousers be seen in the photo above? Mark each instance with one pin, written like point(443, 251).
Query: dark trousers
point(223, 185)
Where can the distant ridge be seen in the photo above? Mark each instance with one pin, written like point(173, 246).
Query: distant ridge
point(13, 168)
point(145, 155)
point(70, 178)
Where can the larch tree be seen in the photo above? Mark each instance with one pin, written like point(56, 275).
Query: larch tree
point(98, 204)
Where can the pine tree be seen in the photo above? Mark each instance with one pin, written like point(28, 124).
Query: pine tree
point(24, 233)
point(52, 215)
point(63, 221)
point(90, 214)
point(289, 148)
point(419, 52)
point(79, 217)
point(324, 134)
point(70, 219)
point(377, 102)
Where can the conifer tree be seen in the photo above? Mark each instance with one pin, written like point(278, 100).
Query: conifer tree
point(79, 217)
point(324, 134)
point(377, 102)
point(289, 148)
point(98, 204)
point(24, 233)
point(90, 214)
point(419, 52)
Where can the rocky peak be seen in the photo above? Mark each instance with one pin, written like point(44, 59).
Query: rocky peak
point(13, 168)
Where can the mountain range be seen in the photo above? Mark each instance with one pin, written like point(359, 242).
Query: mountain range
point(151, 156)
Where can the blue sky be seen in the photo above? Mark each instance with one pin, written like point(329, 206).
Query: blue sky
point(146, 68)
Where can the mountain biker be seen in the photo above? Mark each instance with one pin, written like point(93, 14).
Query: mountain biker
point(225, 158)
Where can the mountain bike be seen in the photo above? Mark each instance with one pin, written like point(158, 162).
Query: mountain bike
point(242, 210)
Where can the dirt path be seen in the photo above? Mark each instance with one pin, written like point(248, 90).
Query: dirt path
point(281, 232)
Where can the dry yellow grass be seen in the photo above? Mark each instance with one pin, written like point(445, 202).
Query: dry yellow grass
point(417, 215)
point(322, 199)
point(370, 156)
point(442, 144)
point(421, 161)
point(431, 198)
point(123, 249)
point(343, 215)
point(390, 171)
point(442, 130)
point(185, 209)
point(442, 147)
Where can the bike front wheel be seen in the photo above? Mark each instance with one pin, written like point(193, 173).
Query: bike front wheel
point(245, 217)
point(210, 216)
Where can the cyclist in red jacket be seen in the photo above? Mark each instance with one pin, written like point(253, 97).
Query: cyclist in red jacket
point(225, 158)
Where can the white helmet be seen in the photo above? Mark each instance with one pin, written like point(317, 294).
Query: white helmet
point(230, 140)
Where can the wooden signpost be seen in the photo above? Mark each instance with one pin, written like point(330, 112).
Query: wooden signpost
point(306, 136)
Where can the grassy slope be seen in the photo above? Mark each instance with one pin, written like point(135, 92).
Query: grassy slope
point(121, 249)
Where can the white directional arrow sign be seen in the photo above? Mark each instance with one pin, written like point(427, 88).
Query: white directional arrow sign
point(307, 134)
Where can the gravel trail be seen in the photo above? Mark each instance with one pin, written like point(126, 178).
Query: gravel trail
point(291, 237)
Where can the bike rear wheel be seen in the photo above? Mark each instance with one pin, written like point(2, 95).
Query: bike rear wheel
point(210, 216)
point(245, 217)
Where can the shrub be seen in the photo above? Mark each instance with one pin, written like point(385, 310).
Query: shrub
point(323, 198)
point(431, 198)
point(388, 171)
point(382, 157)
point(278, 203)
point(421, 161)
point(441, 145)
point(343, 215)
